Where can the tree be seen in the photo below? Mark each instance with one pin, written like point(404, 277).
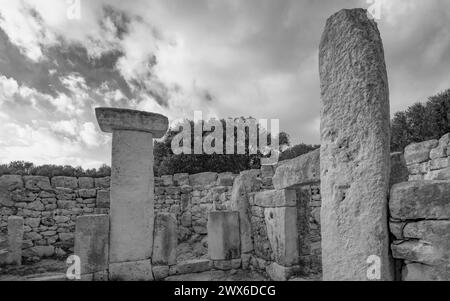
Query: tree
point(166, 162)
point(421, 122)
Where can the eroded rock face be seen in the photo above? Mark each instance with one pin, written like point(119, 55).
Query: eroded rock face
point(165, 240)
point(420, 200)
point(354, 154)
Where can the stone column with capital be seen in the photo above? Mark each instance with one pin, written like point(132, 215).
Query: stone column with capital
point(132, 185)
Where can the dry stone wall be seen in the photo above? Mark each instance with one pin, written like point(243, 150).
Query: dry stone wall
point(50, 208)
point(420, 213)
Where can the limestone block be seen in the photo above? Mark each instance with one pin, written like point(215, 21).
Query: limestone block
point(421, 272)
point(438, 152)
point(39, 251)
point(160, 272)
point(244, 184)
point(277, 272)
point(11, 182)
point(440, 163)
point(267, 171)
point(223, 235)
point(203, 179)
point(87, 193)
point(15, 239)
point(65, 182)
point(419, 152)
point(355, 147)
point(165, 240)
point(85, 182)
point(167, 180)
point(91, 242)
point(396, 229)
point(181, 179)
point(131, 271)
point(102, 182)
point(103, 199)
point(281, 224)
point(399, 171)
point(37, 183)
point(420, 200)
point(225, 179)
point(111, 119)
point(418, 168)
point(419, 251)
point(276, 198)
point(302, 170)
point(192, 266)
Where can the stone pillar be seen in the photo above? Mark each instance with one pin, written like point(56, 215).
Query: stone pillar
point(91, 243)
point(132, 184)
point(224, 242)
point(15, 239)
point(354, 154)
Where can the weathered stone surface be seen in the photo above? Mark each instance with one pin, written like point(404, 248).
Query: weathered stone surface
point(65, 182)
point(420, 200)
point(276, 198)
point(277, 272)
point(167, 180)
point(244, 184)
point(282, 231)
point(181, 179)
point(11, 182)
point(102, 182)
point(39, 251)
point(435, 232)
point(160, 272)
point(419, 152)
point(192, 266)
point(397, 229)
point(131, 271)
point(421, 272)
point(438, 152)
point(113, 119)
point(15, 239)
point(439, 163)
point(399, 171)
point(91, 242)
point(86, 182)
point(203, 179)
point(225, 179)
point(419, 251)
point(103, 199)
point(165, 240)
point(132, 202)
point(223, 235)
point(36, 183)
point(302, 170)
point(355, 151)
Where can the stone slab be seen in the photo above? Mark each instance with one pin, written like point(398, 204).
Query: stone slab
point(276, 198)
point(112, 119)
point(92, 242)
point(224, 242)
point(15, 239)
point(165, 240)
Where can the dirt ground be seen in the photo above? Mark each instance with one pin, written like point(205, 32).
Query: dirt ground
point(48, 269)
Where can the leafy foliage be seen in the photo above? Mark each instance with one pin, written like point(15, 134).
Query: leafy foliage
point(421, 122)
point(48, 170)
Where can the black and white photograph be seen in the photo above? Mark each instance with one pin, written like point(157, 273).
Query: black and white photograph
point(224, 147)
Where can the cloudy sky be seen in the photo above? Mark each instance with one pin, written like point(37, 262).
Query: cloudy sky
point(227, 58)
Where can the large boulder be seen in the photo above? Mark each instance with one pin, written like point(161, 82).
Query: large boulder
point(419, 152)
point(302, 170)
point(420, 200)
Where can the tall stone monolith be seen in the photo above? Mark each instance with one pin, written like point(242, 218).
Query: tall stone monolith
point(132, 185)
point(354, 154)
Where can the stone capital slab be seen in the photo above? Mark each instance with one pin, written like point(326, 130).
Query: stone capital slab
point(113, 119)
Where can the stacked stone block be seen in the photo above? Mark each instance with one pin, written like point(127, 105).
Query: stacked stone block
point(49, 208)
point(429, 160)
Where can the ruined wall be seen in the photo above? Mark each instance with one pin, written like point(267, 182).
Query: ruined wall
point(429, 160)
point(50, 208)
point(420, 213)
